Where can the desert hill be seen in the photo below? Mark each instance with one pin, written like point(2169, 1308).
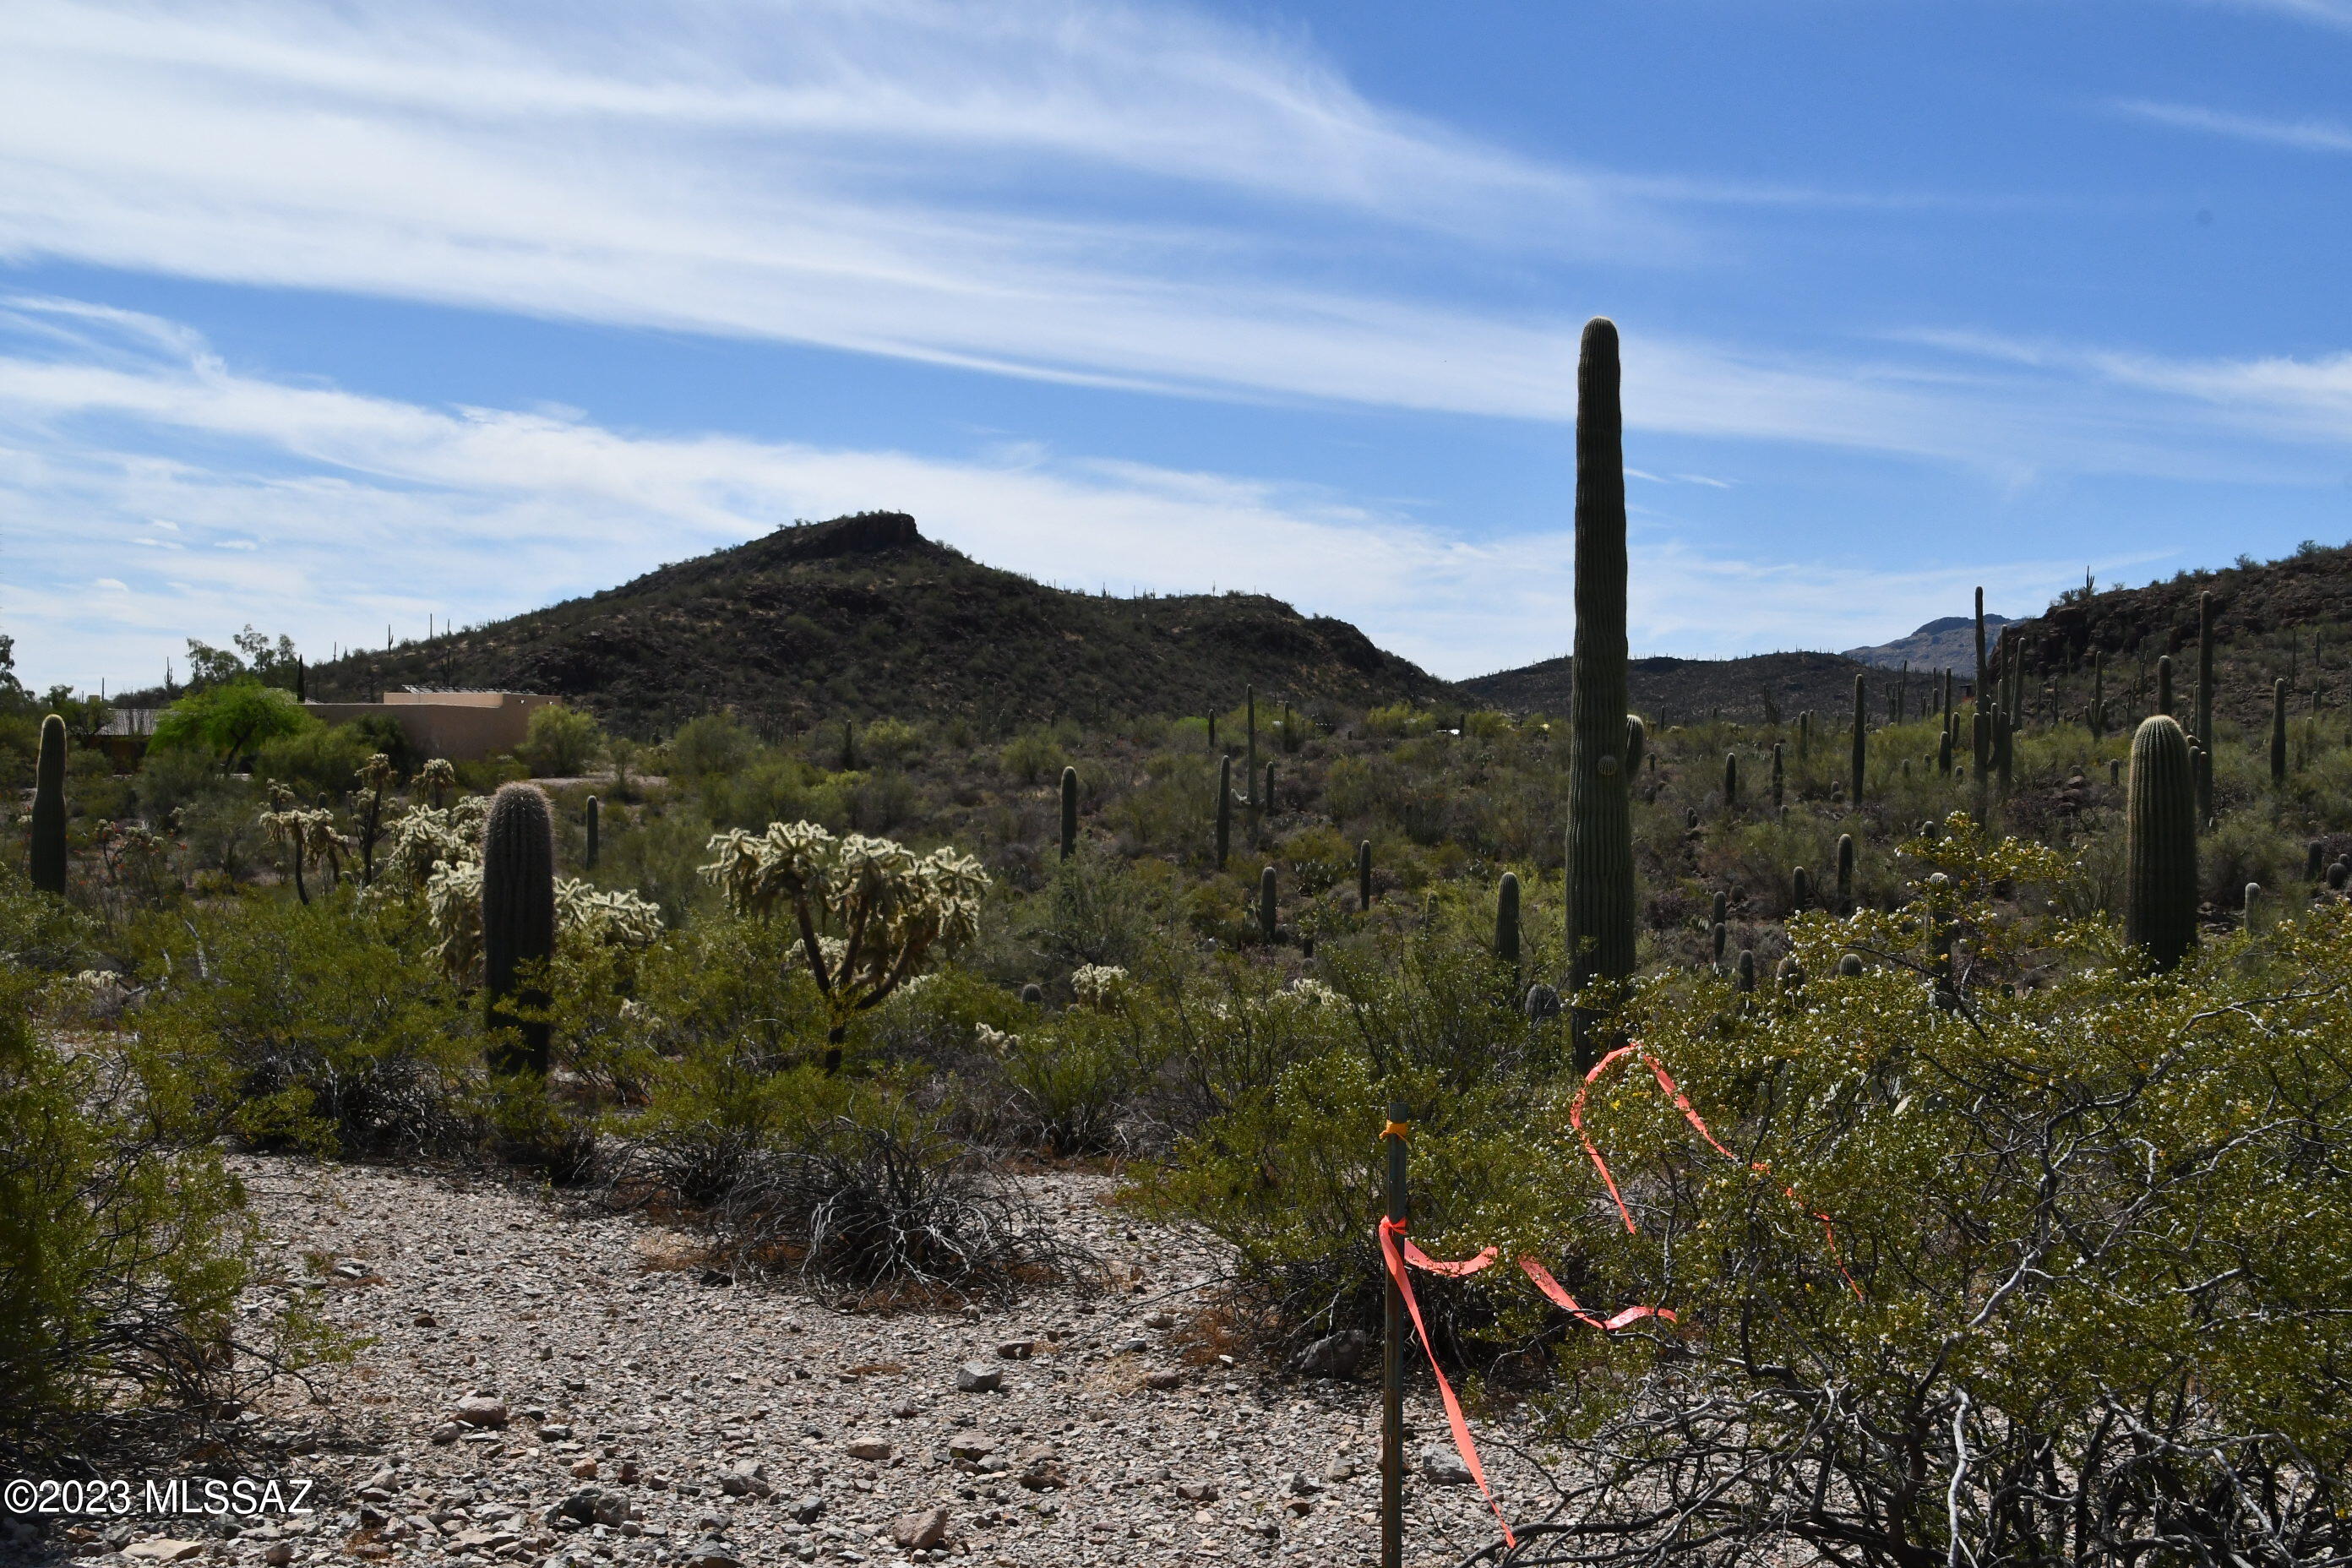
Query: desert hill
point(862, 615)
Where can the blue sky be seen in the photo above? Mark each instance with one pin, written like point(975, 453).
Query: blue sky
point(331, 318)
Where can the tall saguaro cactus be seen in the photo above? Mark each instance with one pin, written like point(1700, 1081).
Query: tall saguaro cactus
point(2278, 732)
point(1981, 734)
point(1506, 921)
point(2161, 844)
point(1268, 928)
point(1861, 737)
point(1364, 876)
point(1731, 781)
point(518, 920)
point(1069, 812)
point(2164, 684)
point(595, 827)
point(1845, 873)
point(1225, 809)
point(48, 845)
point(2096, 714)
point(2203, 728)
point(1600, 814)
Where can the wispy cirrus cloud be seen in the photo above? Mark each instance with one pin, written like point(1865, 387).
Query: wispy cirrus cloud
point(155, 493)
point(1118, 194)
point(2308, 135)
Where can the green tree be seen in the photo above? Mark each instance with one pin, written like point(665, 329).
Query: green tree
point(229, 719)
point(562, 742)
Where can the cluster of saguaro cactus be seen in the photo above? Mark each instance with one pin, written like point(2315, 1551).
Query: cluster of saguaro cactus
point(517, 922)
point(49, 825)
point(1600, 814)
point(2161, 844)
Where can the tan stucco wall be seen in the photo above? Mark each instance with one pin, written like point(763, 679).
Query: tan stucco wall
point(463, 726)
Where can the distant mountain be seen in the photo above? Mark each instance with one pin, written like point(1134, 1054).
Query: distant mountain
point(1947, 643)
point(863, 616)
point(1678, 690)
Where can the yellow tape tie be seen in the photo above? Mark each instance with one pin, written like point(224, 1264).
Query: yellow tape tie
point(1396, 1130)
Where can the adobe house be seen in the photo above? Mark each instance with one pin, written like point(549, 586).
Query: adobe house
point(463, 726)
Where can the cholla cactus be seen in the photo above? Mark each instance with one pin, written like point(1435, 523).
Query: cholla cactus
point(994, 1041)
point(606, 916)
point(437, 777)
point(584, 914)
point(307, 834)
point(375, 777)
point(427, 838)
point(1102, 986)
point(890, 908)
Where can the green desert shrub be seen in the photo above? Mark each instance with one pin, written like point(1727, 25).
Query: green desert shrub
point(122, 1252)
point(329, 1027)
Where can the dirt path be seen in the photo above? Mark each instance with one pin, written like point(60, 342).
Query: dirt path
point(683, 1419)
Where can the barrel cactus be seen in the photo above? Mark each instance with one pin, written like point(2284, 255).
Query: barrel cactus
point(2160, 845)
point(1600, 814)
point(49, 825)
point(517, 922)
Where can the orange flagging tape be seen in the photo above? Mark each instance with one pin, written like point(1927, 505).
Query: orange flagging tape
point(1391, 1233)
point(1683, 1104)
point(1397, 1251)
point(1396, 1130)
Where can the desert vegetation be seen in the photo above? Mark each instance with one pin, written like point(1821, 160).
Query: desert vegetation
point(2002, 1216)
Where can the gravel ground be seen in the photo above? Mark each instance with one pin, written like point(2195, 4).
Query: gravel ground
point(546, 1388)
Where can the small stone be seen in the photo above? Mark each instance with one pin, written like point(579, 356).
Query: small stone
point(1160, 1321)
point(920, 1531)
point(809, 1509)
point(978, 1377)
point(554, 1432)
point(1131, 1347)
point(279, 1554)
point(1338, 1355)
point(905, 1410)
point(747, 1479)
point(1017, 1349)
point(1301, 1485)
point(1164, 1379)
point(351, 1271)
point(424, 1320)
point(585, 1469)
point(710, 1555)
point(162, 1549)
point(1299, 1506)
point(1198, 1492)
point(1339, 1471)
point(480, 1410)
point(447, 1433)
point(869, 1448)
point(591, 1505)
point(1443, 1467)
